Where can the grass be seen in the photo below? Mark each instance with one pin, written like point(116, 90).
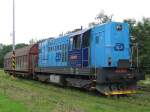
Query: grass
point(33, 96)
point(146, 81)
point(8, 105)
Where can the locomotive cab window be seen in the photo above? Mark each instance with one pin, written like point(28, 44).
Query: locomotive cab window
point(86, 39)
point(76, 42)
point(97, 39)
point(118, 27)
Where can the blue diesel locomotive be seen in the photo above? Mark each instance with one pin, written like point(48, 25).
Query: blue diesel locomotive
point(95, 58)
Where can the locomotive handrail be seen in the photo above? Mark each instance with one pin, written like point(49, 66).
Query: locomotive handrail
point(82, 56)
point(134, 45)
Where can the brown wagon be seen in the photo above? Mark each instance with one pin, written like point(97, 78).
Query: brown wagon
point(26, 59)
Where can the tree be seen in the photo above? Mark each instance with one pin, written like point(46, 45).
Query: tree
point(1, 46)
point(20, 45)
point(141, 32)
point(33, 41)
point(7, 48)
point(101, 18)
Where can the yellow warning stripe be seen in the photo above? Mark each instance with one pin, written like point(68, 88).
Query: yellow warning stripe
point(120, 92)
point(13, 61)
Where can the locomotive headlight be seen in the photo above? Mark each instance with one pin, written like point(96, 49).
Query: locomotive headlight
point(118, 27)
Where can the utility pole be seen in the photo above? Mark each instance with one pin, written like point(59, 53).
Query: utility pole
point(13, 25)
point(13, 43)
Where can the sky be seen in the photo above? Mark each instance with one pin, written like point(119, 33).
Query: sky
point(39, 19)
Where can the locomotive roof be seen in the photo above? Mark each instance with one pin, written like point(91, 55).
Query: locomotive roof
point(68, 35)
point(20, 52)
point(79, 32)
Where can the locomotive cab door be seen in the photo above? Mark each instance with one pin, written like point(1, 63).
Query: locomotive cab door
point(78, 54)
point(74, 54)
point(85, 48)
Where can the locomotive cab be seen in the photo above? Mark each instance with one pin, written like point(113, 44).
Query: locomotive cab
point(79, 49)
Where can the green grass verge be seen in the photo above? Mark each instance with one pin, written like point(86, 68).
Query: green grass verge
point(145, 82)
point(39, 97)
point(9, 105)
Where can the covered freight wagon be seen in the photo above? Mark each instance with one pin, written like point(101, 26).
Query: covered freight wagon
point(25, 60)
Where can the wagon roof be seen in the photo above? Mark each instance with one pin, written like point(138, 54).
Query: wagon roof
point(20, 52)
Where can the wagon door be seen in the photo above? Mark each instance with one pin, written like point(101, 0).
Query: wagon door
point(34, 61)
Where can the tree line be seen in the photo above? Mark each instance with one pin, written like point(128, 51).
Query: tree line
point(140, 30)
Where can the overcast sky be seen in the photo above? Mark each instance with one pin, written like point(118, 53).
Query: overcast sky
point(48, 18)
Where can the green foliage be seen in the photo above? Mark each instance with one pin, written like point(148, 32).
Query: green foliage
point(141, 31)
point(20, 45)
point(4, 49)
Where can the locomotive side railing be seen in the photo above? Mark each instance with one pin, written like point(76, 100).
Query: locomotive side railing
point(134, 55)
point(85, 60)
